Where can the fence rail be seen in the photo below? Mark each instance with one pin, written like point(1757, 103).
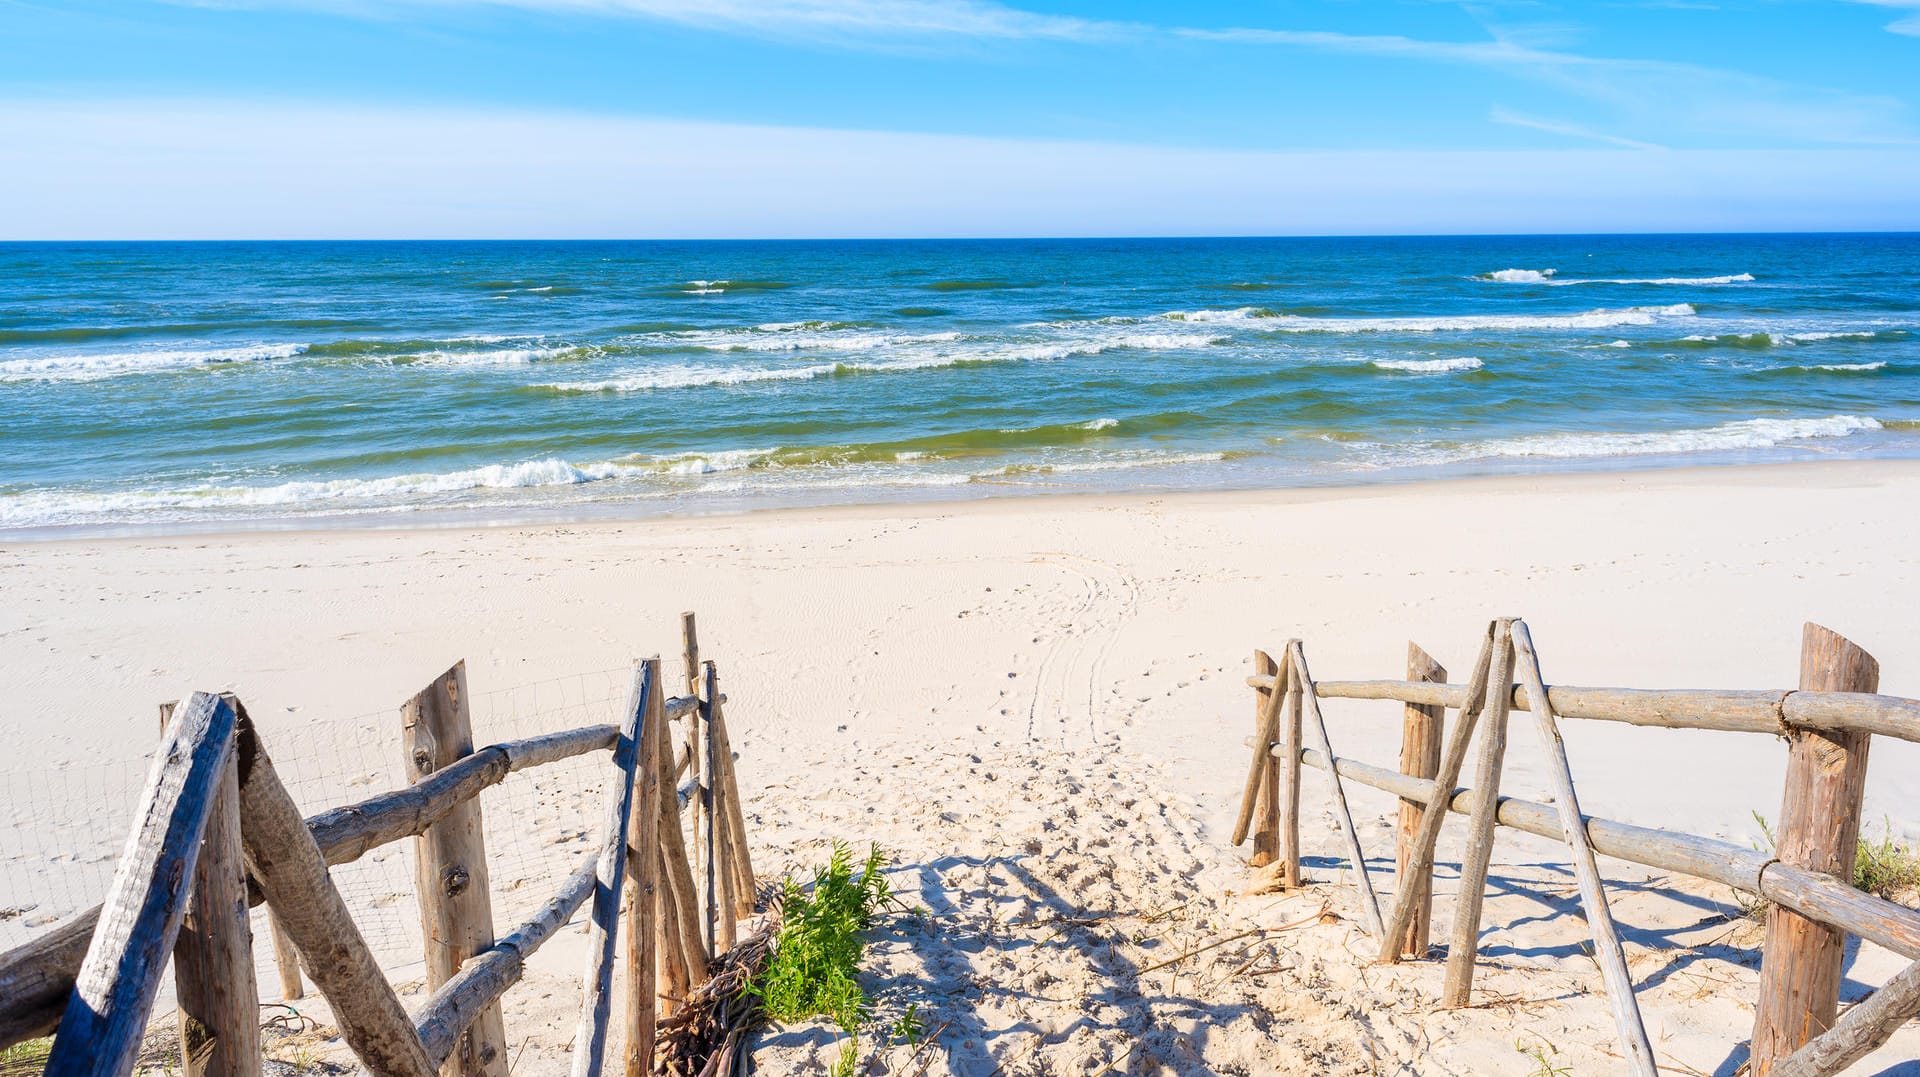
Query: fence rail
point(1828, 724)
point(92, 981)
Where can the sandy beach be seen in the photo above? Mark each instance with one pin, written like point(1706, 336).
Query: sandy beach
point(1037, 707)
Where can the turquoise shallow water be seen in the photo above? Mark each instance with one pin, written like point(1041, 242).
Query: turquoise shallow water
point(162, 385)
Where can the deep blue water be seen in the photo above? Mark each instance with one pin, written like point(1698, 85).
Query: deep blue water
point(158, 384)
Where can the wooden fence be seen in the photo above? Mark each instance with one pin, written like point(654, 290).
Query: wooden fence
point(215, 833)
point(1828, 724)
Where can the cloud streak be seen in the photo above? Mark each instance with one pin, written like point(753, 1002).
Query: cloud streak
point(140, 168)
point(1908, 25)
point(1503, 115)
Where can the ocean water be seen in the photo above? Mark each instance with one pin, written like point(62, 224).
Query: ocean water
point(187, 385)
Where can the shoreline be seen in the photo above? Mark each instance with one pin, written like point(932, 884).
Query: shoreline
point(608, 513)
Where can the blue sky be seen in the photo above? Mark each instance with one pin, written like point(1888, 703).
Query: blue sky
point(297, 118)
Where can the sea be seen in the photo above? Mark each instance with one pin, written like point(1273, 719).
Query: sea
point(154, 387)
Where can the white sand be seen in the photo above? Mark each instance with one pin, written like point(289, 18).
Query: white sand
point(1037, 706)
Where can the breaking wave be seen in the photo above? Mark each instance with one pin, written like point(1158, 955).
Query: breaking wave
point(1430, 366)
point(114, 364)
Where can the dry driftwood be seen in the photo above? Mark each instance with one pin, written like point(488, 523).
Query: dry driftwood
point(707, 1036)
point(100, 1032)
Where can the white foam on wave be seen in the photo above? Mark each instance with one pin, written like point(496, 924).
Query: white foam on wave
point(1744, 434)
point(1431, 366)
point(40, 507)
point(491, 356)
point(1842, 368)
point(915, 358)
point(1100, 424)
point(1521, 276)
point(93, 367)
point(1592, 319)
point(1550, 277)
point(1735, 278)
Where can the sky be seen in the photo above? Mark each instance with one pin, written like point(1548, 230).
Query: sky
point(165, 119)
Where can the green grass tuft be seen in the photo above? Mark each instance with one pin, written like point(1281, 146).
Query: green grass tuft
point(813, 970)
point(1888, 868)
point(25, 1057)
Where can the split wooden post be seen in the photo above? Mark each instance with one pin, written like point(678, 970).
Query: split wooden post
point(1463, 945)
point(285, 860)
point(603, 929)
point(1864, 1026)
point(726, 903)
point(1362, 882)
point(1441, 793)
point(219, 999)
point(286, 960)
point(680, 933)
point(745, 889)
point(1606, 940)
point(100, 1032)
point(1819, 830)
point(1288, 801)
point(1266, 800)
point(1266, 730)
point(644, 880)
point(1422, 728)
point(450, 866)
point(701, 806)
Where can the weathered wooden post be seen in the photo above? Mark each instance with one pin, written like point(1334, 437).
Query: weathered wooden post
point(1463, 944)
point(643, 881)
point(1422, 727)
point(744, 886)
point(450, 866)
point(1819, 830)
point(629, 797)
point(219, 1000)
point(1266, 803)
point(721, 866)
point(99, 1034)
point(1288, 798)
point(701, 806)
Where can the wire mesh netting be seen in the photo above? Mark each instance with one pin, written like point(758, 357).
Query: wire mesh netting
point(66, 827)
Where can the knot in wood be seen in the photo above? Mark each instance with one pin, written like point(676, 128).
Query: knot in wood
point(423, 761)
point(455, 880)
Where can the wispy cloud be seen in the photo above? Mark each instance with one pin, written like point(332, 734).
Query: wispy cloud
point(150, 168)
point(1906, 24)
point(1646, 94)
point(1503, 115)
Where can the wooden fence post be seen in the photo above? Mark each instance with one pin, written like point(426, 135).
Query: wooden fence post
point(1463, 944)
point(1266, 802)
point(450, 866)
point(603, 928)
point(1421, 730)
point(643, 886)
point(219, 998)
point(1819, 830)
point(744, 888)
point(1288, 800)
point(721, 871)
point(100, 1032)
point(701, 804)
